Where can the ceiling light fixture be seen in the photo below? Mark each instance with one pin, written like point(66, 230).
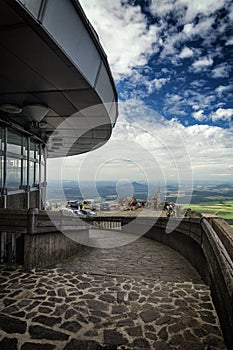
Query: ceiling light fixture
point(35, 112)
point(43, 125)
point(11, 109)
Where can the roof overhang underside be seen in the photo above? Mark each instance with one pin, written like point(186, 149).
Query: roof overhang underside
point(51, 57)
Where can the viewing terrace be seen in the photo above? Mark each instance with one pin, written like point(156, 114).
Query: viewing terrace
point(102, 284)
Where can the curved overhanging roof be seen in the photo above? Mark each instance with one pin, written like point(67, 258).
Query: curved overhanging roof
point(54, 69)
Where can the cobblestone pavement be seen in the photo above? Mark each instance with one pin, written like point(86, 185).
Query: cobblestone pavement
point(138, 296)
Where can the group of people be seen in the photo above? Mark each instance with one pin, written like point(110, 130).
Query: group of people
point(170, 209)
point(152, 203)
point(133, 204)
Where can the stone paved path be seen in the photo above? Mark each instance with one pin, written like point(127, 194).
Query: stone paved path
point(138, 296)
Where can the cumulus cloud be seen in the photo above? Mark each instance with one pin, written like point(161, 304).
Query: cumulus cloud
point(199, 115)
point(130, 40)
point(202, 63)
point(221, 89)
point(221, 71)
point(144, 143)
point(156, 84)
point(123, 32)
point(229, 42)
point(222, 114)
point(186, 53)
point(192, 30)
point(187, 9)
point(132, 43)
point(200, 98)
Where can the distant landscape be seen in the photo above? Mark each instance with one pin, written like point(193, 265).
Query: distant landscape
point(214, 199)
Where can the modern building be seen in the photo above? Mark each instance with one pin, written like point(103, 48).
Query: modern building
point(57, 94)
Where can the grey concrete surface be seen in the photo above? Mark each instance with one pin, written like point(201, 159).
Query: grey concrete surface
point(142, 295)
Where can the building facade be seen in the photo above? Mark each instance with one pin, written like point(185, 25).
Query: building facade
point(57, 94)
point(22, 169)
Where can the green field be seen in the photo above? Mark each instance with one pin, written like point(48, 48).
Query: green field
point(222, 208)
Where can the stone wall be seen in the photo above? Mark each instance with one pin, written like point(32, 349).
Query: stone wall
point(20, 200)
point(34, 238)
point(221, 276)
point(210, 253)
point(49, 248)
point(52, 237)
point(186, 239)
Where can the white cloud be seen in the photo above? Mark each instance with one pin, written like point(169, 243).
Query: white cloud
point(231, 12)
point(174, 105)
point(175, 98)
point(223, 88)
point(129, 43)
point(186, 53)
point(221, 71)
point(229, 42)
point(156, 84)
point(186, 9)
point(206, 7)
point(199, 115)
point(222, 114)
point(201, 99)
point(202, 63)
point(201, 29)
point(161, 8)
point(198, 83)
point(144, 144)
point(123, 33)
point(188, 29)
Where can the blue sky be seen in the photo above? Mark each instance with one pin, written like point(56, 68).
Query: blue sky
point(172, 64)
point(181, 63)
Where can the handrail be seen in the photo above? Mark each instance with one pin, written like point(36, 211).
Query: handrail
point(221, 254)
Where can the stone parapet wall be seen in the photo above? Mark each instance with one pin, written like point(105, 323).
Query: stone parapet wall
point(34, 238)
point(221, 278)
point(208, 246)
point(224, 232)
point(52, 237)
point(49, 248)
point(21, 200)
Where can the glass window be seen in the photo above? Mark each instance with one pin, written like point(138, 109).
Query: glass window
point(32, 150)
point(1, 171)
point(42, 173)
point(38, 152)
point(1, 155)
point(31, 173)
point(13, 173)
point(24, 144)
point(1, 139)
point(24, 172)
point(21, 171)
point(37, 173)
point(14, 142)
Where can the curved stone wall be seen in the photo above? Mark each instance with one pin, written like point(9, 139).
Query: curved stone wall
point(206, 243)
point(208, 246)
